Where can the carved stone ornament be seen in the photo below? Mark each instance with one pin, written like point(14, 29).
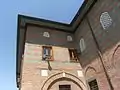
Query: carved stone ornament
point(69, 38)
point(46, 34)
point(105, 20)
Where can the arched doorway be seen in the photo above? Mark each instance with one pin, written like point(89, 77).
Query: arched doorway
point(67, 83)
point(56, 81)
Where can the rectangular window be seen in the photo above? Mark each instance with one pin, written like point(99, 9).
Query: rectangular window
point(64, 87)
point(93, 85)
point(73, 55)
point(47, 53)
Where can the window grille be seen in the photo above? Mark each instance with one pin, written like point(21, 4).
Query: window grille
point(105, 20)
point(93, 85)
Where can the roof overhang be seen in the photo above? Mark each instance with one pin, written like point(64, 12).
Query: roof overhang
point(24, 21)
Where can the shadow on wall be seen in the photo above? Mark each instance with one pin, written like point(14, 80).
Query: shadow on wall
point(35, 35)
point(107, 38)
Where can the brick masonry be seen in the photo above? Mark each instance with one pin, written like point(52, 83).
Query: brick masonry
point(33, 63)
point(108, 40)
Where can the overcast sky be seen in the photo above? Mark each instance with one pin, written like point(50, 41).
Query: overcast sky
point(56, 10)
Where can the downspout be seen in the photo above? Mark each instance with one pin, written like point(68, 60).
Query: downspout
point(99, 54)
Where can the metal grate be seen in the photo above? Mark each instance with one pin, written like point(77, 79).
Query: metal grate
point(105, 20)
point(93, 85)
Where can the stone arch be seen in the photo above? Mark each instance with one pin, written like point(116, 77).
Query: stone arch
point(116, 56)
point(59, 76)
point(64, 78)
point(90, 72)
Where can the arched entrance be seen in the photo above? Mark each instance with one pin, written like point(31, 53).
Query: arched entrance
point(64, 81)
point(55, 81)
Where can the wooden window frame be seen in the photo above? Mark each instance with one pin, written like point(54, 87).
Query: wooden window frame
point(51, 57)
point(75, 55)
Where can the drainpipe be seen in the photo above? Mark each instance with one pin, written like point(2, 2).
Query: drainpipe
point(49, 65)
point(100, 54)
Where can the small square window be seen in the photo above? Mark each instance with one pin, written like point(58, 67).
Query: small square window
point(47, 53)
point(73, 55)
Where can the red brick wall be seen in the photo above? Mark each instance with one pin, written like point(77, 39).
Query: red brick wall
point(33, 63)
point(107, 39)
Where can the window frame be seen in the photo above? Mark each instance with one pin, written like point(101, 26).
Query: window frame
point(51, 53)
point(75, 58)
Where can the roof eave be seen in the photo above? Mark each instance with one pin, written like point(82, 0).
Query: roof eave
point(21, 17)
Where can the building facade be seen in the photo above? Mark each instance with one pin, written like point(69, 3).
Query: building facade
point(82, 55)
